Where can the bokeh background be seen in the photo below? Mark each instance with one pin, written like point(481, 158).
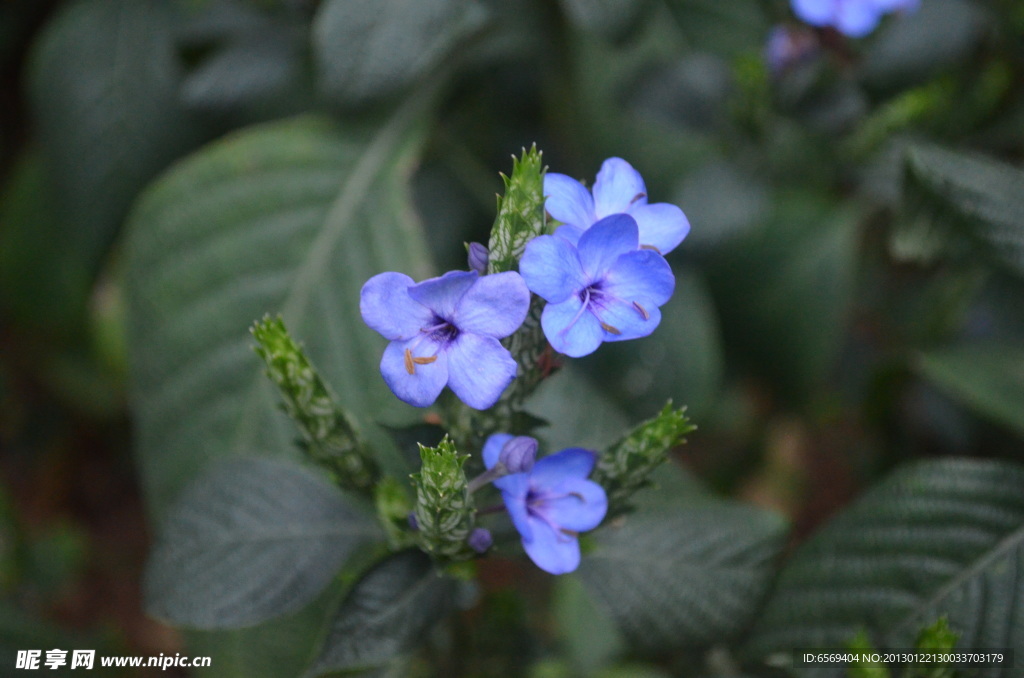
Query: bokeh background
point(849, 298)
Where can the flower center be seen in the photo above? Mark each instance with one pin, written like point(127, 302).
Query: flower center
point(594, 296)
point(537, 504)
point(442, 331)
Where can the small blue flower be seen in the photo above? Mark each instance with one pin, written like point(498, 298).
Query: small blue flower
point(603, 290)
point(618, 189)
point(445, 331)
point(854, 18)
point(551, 504)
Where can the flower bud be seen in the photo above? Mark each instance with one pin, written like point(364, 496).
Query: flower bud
point(478, 256)
point(788, 46)
point(518, 454)
point(480, 540)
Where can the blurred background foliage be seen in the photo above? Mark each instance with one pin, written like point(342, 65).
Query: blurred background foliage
point(850, 297)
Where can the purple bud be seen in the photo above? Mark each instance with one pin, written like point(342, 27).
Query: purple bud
point(480, 539)
point(518, 454)
point(478, 256)
point(414, 523)
point(787, 46)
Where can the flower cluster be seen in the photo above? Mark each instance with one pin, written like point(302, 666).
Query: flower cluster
point(603, 276)
point(854, 18)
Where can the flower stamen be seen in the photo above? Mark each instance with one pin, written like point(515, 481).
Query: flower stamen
point(579, 313)
point(410, 366)
point(650, 247)
point(636, 197)
point(641, 310)
point(610, 328)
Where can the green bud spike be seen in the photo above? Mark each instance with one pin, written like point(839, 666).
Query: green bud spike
point(328, 436)
point(937, 638)
point(625, 467)
point(521, 218)
point(861, 645)
point(444, 508)
point(520, 212)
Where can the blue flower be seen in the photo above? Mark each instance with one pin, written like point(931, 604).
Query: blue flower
point(445, 331)
point(604, 289)
point(619, 189)
point(551, 504)
point(854, 18)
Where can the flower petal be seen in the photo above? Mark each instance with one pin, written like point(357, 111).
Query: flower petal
point(514, 489)
point(422, 387)
point(386, 306)
point(551, 550)
point(441, 295)
point(815, 12)
point(603, 242)
point(857, 19)
point(661, 225)
point(571, 332)
point(627, 320)
point(492, 448)
point(551, 268)
point(642, 276)
point(495, 306)
point(570, 233)
point(896, 5)
point(617, 187)
point(568, 201)
point(572, 462)
point(581, 505)
point(479, 369)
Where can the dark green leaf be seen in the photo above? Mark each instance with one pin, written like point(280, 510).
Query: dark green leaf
point(609, 18)
point(42, 281)
point(685, 570)
point(580, 414)
point(912, 46)
point(369, 49)
point(386, 614)
point(279, 647)
point(253, 539)
point(104, 81)
point(783, 291)
point(935, 538)
point(987, 378)
point(724, 201)
point(681, 361)
point(291, 217)
point(722, 27)
point(976, 196)
point(590, 636)
point(262, 76)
